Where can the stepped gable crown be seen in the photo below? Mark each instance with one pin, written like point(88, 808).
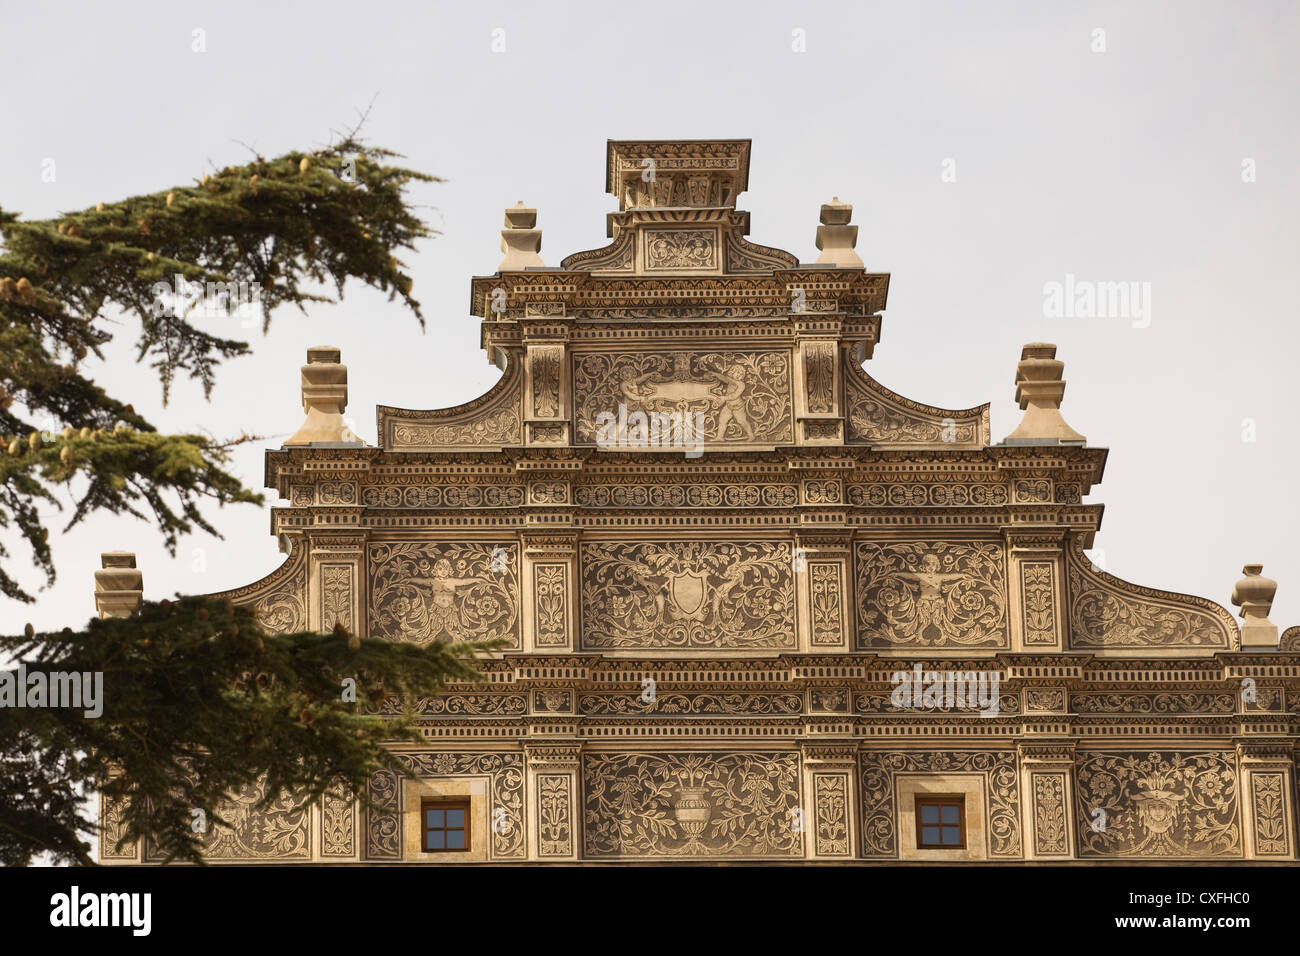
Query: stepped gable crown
point(681, 313)
point(678, 250)
point(696, 172)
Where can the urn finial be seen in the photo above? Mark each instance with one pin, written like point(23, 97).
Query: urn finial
point(1254, 595)
point(324, 398)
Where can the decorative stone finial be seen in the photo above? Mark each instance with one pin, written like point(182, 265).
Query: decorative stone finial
point(324, 398)
point(119, 587)
point(836, 238)
point(520, 240)
point(1039, 390)
point(1254, 595)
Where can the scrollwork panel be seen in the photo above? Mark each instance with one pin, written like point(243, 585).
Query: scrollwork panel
point(426, 592)
point(931, 594)
point(1171, 805)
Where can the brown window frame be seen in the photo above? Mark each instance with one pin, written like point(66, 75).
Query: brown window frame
point(941, 800)
point(425, 829)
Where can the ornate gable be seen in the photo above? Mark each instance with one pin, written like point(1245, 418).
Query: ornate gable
point(719, 551)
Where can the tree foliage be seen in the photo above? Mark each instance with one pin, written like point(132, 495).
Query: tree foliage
point(199, 701)
point(291, 228)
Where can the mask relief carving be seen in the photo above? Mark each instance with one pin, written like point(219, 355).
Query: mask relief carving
point(1175, 805)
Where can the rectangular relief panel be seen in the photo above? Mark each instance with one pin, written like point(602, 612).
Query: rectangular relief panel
point(692, 805)
point(551, 604)
point(735, 397)
point(831, 818)
point(444, 591)
point(1049, 789)
point(1268, 810)
point(1040, 623)
point(1165, 805)
point(688, 595)
point(948, 595)
point(554, 815)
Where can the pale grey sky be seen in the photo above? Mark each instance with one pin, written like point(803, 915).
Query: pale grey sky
point(1122, 165)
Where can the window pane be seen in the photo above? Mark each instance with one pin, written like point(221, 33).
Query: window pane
point(455, 839)
point(435, 840)
point(455, 818)
point(950, 813)
point(951, 836)
point(433, 818)
point(929, 834)
point(929, 813)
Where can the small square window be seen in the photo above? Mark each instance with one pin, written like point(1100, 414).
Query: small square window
point(445, 826)
point(941, 822)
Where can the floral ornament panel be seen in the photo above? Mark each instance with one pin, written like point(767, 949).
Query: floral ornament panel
point(931, 594)
point(444, 592)
point(686, 595)
point(274, 831)
point(1107, 612)
point(1164, 805)
point(692, 805)
point(743, 397)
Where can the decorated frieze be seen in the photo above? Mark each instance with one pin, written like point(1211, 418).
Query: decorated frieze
point(637, 702)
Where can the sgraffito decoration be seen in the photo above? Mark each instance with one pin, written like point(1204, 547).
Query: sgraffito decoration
point(692, 805)
point(277, 831)
point(1107, 612)
point(931, 594)
point(880, 814)
point(505, 808)
point(426, 592)
point(744, 397)
point(279, 599)
point(689, 594)
point(1157, 804)
point(878, 416)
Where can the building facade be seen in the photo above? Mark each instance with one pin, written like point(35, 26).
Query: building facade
point(757, 605)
